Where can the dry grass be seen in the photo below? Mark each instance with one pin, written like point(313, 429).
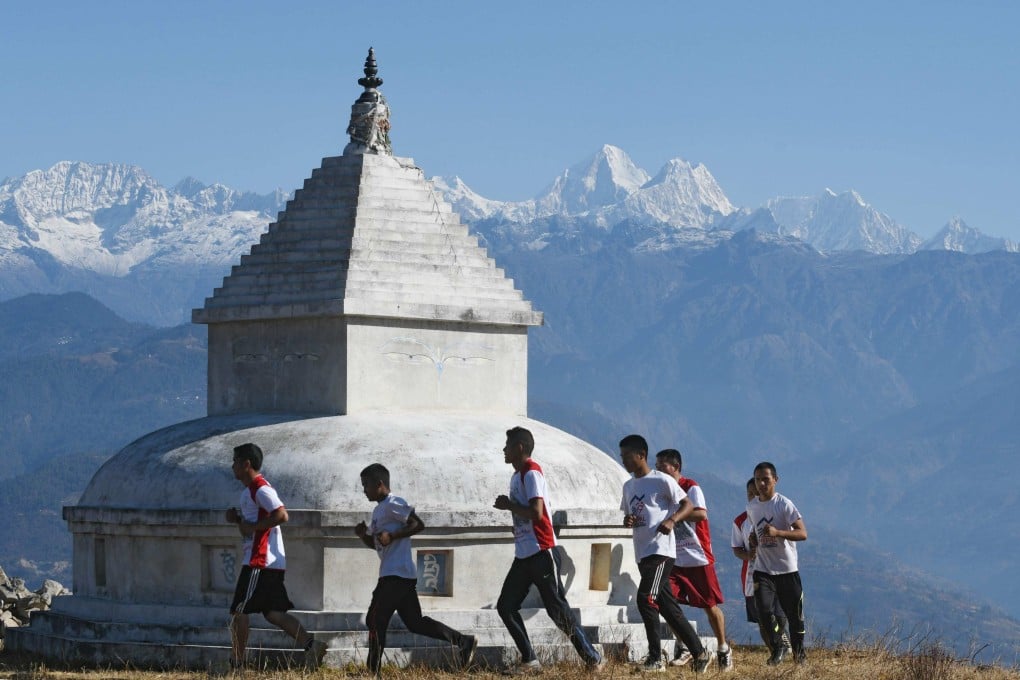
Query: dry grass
point(926, 662)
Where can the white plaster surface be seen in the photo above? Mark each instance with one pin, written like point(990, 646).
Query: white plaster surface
point(450, 465)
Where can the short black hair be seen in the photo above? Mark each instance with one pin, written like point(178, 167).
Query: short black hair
point(519, 435)
point(751, 484)
point(251, 453)
point(671, 456)
point(377, 472)
point(765, 465)
point(634, 442)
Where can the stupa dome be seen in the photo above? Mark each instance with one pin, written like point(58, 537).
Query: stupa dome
point(453, 461)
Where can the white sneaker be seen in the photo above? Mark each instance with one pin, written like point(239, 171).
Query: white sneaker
point(533, 667)
point(681, 659)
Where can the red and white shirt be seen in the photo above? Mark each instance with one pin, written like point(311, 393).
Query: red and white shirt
point(531, 537)
point(740, 537)
point(693, 539)
point(263, 549)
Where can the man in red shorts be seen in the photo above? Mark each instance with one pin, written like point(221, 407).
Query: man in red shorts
point(693, 577)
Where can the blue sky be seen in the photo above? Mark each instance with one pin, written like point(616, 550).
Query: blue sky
point(913, 104)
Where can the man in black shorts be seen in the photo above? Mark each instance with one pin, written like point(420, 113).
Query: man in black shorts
point(260, 587)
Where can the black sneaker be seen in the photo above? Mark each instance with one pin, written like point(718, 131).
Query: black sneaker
point(468, 645)
point(653, 666)
point(777, 656)
point(700, 663)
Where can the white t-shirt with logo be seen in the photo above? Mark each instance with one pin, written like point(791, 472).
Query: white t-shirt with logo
point(391, 514)
point(775, 555)
point(651, 499)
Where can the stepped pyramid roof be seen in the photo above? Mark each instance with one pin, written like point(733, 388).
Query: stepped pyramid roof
point(367, 235)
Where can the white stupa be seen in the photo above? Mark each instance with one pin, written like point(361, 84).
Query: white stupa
point(367, 325)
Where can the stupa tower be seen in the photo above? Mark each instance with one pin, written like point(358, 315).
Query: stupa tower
point(367, 325)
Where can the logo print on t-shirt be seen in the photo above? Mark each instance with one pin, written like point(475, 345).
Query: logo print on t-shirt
point(637, 508)
point(763, 538)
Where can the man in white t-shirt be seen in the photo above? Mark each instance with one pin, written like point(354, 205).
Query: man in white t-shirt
point(693, 577)
point(740, 542)
point(778, 525)
point(536, 557)
point(653, 504)
point(392, 525)
point(260, 587)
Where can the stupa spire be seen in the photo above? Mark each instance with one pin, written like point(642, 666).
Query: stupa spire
point(370, 115)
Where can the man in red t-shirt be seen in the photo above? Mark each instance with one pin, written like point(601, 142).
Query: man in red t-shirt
point(693, 578)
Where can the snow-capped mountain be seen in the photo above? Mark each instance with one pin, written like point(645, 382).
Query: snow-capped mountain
point(843, 221)
point(109, 218)
point(603, 191)
point(958, 236)
point(112, 230)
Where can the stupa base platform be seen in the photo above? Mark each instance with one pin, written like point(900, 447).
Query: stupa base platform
point(187, 637)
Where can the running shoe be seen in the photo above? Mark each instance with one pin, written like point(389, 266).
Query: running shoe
point(682, 658)
point(725, 659)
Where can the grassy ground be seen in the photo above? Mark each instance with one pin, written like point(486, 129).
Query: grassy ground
point(929, 662)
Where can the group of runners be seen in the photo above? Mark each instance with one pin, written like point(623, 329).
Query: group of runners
point(672, 544)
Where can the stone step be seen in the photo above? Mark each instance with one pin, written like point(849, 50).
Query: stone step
point(436, 247)
point(372, 269)
point(316, 251)
point(496, 289)
point(450, 252)
point(440, 298)
point(368, 225)
point(406, 291)
point(431, 226)
point(314, 208)
point(423, 294)
point(339, 192)
point(347, 172)
point(344, 254)
point(271, 637)
point(363, 232)
point(105, 653)
point(422, 242)
point(471, 280)
point(202, 640)
point(432, 203)
point(342, 186)
point(392, 191)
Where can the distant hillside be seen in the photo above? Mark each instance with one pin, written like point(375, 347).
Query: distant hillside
point(78, 378)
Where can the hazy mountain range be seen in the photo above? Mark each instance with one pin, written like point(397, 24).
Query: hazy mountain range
point(879, 372)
